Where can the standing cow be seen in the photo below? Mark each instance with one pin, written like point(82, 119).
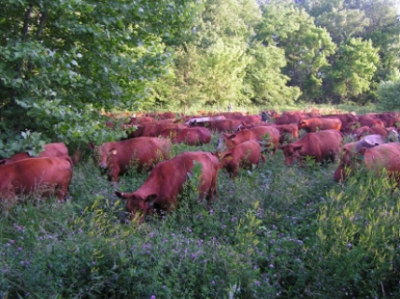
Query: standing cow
point(44, 176)
point(161, 189)
point(243, 155)
point(323, 145)
point(269, 133)
point(190, 136)
point(118, 157)
point(57, 149)
point(318, 124)
point(384, 156)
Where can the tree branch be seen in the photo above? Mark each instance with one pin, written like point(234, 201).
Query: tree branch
point(41, 25)
point(25, 28)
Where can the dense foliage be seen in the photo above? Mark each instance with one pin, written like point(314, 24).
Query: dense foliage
point(274, 232)
point(64, 61)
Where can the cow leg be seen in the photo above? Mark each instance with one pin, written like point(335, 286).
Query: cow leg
point(61, 191)
point(114, 173)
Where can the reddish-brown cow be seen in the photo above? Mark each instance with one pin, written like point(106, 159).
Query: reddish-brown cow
point(364, 131)
point(290, 118)
point(58, 149)
point(251, 119)
point(322, 145)
point(345, 118)
point(368, 120)
point(256, 133)
point(385, 156)
point(154, 130)
point(190, 136)
point(118, 157)
point(45, 176)
point(284, 130)
point(232, 115)
point(243, 155)
point(319, 124)
point(161, 189)
point(227, 125)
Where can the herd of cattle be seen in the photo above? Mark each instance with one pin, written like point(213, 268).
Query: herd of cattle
point(244, 140)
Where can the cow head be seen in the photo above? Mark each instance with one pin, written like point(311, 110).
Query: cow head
point(102, 154)
point(225, 160)
point(350, 158)
point(291, 152)
point(136, 203)
point(224, 140)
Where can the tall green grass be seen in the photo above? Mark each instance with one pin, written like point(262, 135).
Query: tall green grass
point(273, 232)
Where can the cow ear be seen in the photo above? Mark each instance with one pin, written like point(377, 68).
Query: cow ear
point(91, 145)
point(121, 195)
point(225, 155)
point(216, 154)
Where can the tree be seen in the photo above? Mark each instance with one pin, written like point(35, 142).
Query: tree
point(354, 67)
point(389, 92)
point(210, 64)
point(63, 61)
point(375, 20)
point(265, 83)
point(306, 46)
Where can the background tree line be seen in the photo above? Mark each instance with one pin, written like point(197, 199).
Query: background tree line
point(63, 61)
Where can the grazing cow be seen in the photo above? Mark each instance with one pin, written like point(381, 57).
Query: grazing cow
point(319, 124)
point(345, 118)
point(322, 145)
point(58, 149)
point(228, 125)
point(161, 189)
point(243, 155)
point(251, 119)
point(231, 115)
point(388, 119)
point(290, 131)
point(154, 130)
point(290, 118)
point(364, 131)
point(190, 136)
point(369, 121)
point(384, 156)
point(45, 176)
point(256, 133)
point(118, 157)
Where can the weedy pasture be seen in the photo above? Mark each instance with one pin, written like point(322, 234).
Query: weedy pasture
point(273, 232)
